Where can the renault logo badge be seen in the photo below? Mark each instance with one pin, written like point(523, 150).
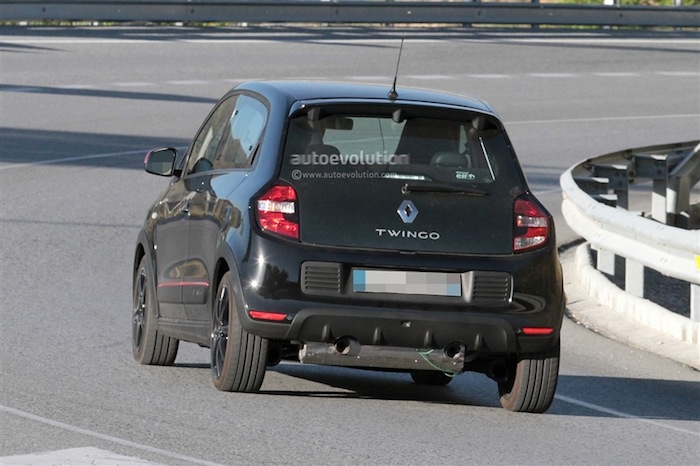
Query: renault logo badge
point(407, 211)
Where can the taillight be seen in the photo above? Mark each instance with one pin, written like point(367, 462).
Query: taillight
point(537, 331)
point(270, 316)
point(277, 211)
point(531, 228)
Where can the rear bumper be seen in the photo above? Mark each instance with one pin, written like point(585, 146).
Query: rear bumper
point(401, 321)
point(480, 333)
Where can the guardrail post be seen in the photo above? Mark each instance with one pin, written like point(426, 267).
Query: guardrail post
point(695, 302)
point(683, 177)
point(654, 167)
point(634, 278)
point(605, 261)
point(618, 180)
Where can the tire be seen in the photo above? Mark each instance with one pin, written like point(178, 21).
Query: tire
point(430, 378)
point(532, 382)
point(238, 359)
point(149, 346)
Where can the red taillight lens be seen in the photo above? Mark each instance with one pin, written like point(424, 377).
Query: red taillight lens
point(277, 211)
point(531, 228)
point(537, 331)
point(271, 316)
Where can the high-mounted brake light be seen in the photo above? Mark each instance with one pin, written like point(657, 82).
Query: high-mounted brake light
point(531, 229)
point(277, 211)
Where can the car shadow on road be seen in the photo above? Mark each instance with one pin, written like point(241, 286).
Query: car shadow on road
point(31, 146)
point(347, 383)
point(586, 396)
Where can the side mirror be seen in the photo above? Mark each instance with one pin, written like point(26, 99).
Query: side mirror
point(161, 161)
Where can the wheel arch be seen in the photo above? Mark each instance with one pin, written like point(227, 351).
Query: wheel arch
point(142, 245)
point(226, 262)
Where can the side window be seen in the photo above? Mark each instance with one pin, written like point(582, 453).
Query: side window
point(243, 133)
point(230, 137)
point(205, 145)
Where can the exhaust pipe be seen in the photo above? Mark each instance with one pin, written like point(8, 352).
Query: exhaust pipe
point(346, 346)
point(455, 351)
point(347, 351)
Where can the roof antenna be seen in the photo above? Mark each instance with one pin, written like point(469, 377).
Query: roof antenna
point(392, 93)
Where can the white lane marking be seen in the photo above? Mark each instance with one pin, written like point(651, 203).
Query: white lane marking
point(613, 412)
point(489, 76)
point(430, 76)
point(72, 159)
point(679, 74)
point(134, 84)
point(108, 438)
point(554, 75)
point(616, 74)
point(88, 456)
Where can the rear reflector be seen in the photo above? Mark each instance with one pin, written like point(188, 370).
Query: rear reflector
point(531, 228)
point(537, 331)
point(264, 315)
point(277, 211)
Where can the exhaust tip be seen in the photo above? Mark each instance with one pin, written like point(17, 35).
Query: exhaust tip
point(346, 346)
point(455, 350)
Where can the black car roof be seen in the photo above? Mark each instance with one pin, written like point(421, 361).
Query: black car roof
point(295, 91)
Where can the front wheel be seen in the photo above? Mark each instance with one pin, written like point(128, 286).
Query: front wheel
point(238, 359)
point(532, 382)
point(149, 345)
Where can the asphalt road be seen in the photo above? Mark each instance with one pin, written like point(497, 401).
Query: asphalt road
point(78, 110)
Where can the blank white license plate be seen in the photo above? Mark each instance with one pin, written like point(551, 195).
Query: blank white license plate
point(406, 282)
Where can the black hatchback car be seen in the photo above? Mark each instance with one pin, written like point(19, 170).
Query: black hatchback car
point(351, 225)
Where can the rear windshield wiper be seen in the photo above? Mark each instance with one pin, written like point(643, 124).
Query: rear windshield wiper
point(440, 188)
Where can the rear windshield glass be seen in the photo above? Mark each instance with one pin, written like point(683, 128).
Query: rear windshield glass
point(458, 149)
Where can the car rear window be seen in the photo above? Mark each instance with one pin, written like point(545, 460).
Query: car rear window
point(428, 147)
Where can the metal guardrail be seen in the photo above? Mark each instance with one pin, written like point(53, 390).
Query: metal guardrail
point(596, 196)
point(350, 11)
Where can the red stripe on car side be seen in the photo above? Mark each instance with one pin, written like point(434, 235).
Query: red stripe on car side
point(170, 284)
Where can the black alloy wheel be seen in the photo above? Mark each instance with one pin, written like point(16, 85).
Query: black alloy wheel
point(238, 359)
point(149, 346)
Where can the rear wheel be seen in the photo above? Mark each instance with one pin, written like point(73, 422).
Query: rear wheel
point(430, 378)
point(148, 344)
point(532, 382)
point(238, 359)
